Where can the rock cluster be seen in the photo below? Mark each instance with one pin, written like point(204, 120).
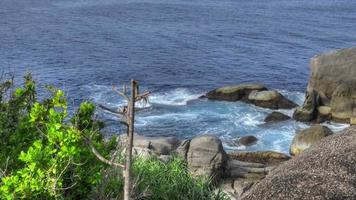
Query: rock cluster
point(256, 94)
point(331, 92)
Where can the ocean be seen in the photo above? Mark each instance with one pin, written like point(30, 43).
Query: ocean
point(178, 50)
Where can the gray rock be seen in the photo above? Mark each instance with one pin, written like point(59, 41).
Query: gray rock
point(270, 99)
point(276, 117)
point(308, 137)
point(326, 170)
point(207, 157)
point(333, 77)
point(234, 93)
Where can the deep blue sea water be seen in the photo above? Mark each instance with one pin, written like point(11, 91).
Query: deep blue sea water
point(178, 49)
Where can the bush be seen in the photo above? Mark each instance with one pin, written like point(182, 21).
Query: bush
point(45, 156)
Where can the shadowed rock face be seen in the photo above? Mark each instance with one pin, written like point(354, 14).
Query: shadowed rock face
point(324, 171)
point(332, 84)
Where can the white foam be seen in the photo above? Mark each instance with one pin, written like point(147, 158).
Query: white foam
point(176, 97)
point(296, 97)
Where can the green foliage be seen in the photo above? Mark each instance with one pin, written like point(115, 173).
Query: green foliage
point(15, 133)
point(54, 161)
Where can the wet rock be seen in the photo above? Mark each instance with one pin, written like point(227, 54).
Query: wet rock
point(308, 137)
point(276, 117)
point(270, 99)
point(234, 93)
point(247, 140)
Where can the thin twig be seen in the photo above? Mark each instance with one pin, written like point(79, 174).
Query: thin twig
point(121, 94)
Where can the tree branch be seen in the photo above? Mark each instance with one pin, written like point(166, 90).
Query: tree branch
point(100, 157)
point(121, 94)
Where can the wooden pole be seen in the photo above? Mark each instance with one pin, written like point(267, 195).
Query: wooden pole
point(131, 121)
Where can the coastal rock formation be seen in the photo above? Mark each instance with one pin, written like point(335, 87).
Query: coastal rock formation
point(327, 170)
point(252, 93)
point(276, 117)
point(206, 156)
point(270, 99)
point(234, 93)
point(332, 86)
point(308, 137)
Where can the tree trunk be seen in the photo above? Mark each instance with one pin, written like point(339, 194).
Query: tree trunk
point(131, 121)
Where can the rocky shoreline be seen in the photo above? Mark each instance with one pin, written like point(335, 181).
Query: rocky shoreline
point(330, 96)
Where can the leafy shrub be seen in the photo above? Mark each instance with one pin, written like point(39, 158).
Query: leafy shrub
point(54, 161)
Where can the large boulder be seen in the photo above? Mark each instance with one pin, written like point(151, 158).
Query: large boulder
point(333, 80)
point(207, 157)
point(234, 93)
point(327, 171)
point(270, 99)
point(276, 117)
point(308, 137)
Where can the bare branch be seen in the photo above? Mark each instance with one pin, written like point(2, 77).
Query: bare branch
point(121, 94)
point(142, 96)
point(109, 110)
point(100, 157)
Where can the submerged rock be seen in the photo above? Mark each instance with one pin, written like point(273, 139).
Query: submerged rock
point(276, 117)
point(332, 84)
point(247, 140)
point(270, 99)
point(327, 171)
point(234, 93)
point(308, 137)
point(207, 157)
